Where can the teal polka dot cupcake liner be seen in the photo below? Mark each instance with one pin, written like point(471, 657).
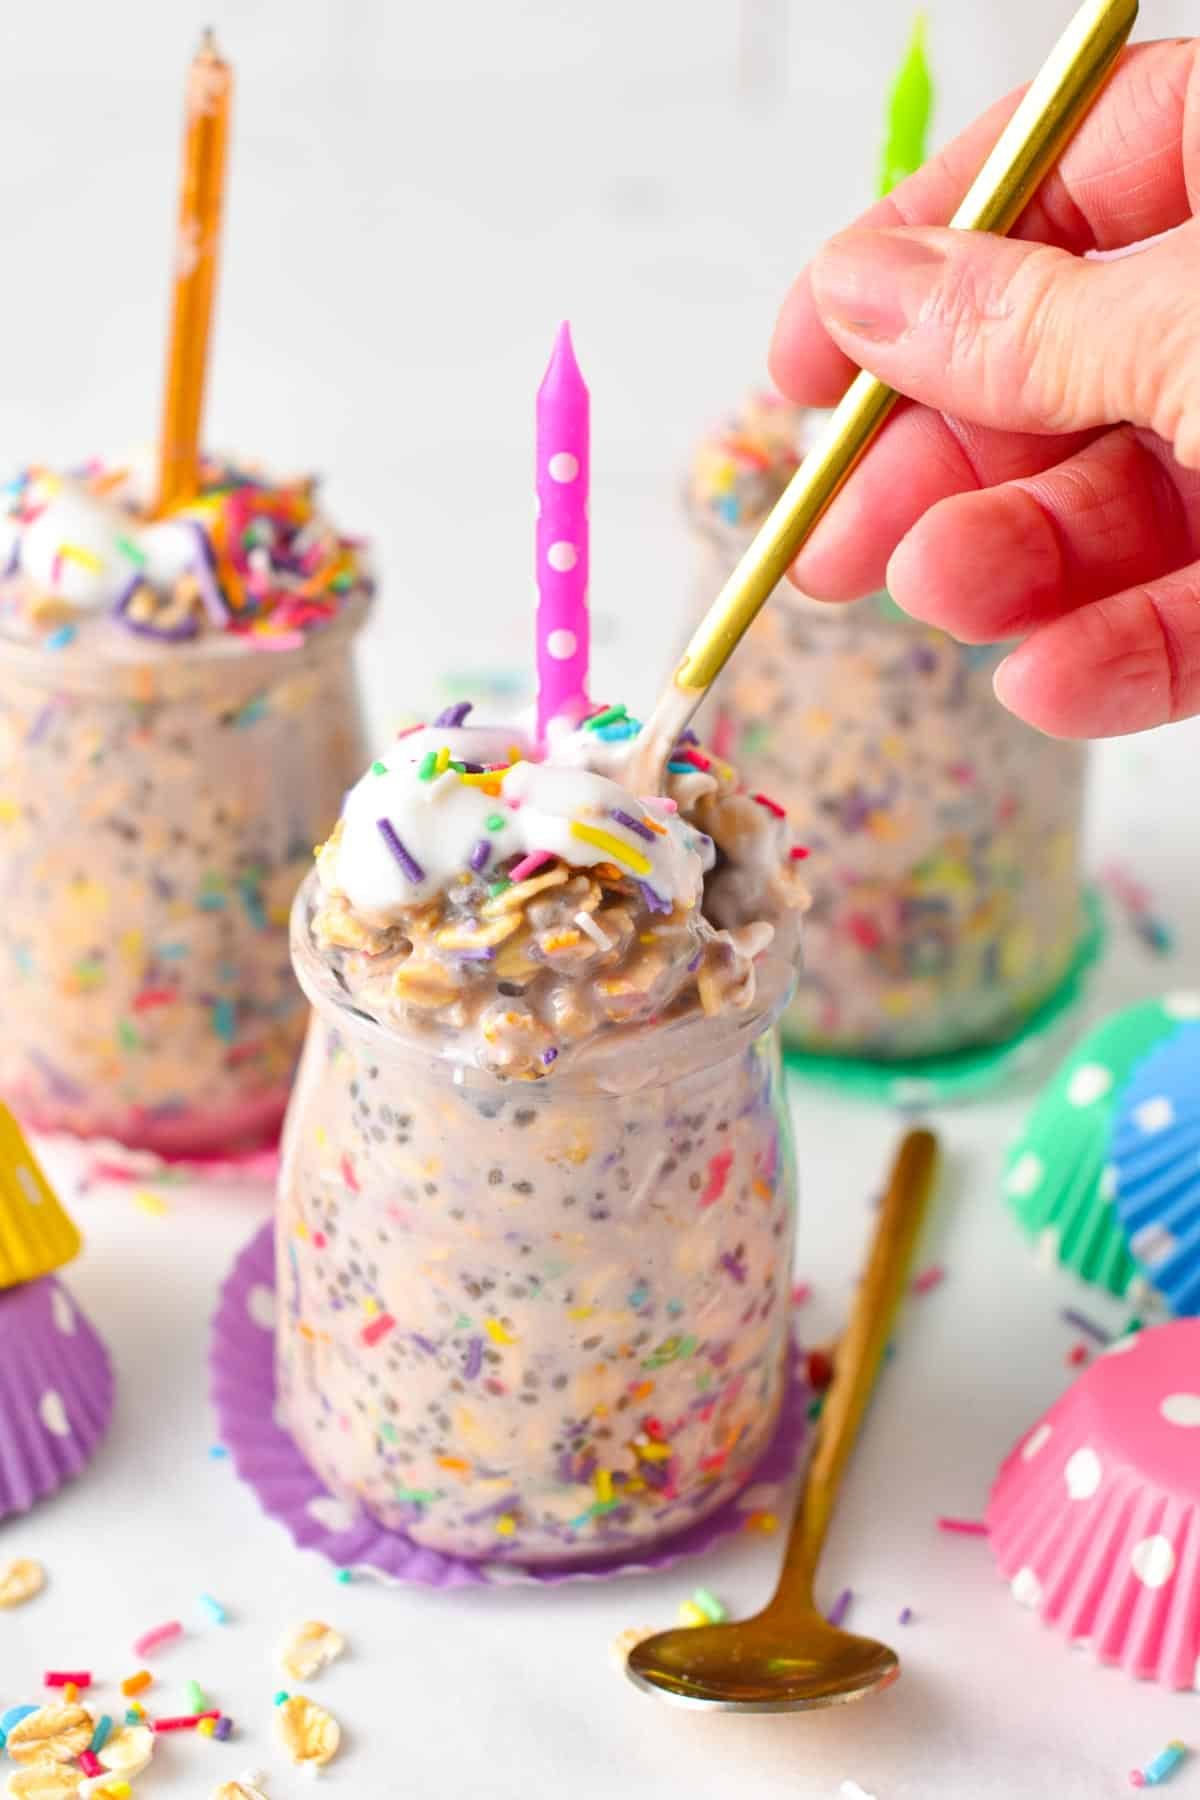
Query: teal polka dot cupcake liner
point(964, 1074)
point(1059, 1180)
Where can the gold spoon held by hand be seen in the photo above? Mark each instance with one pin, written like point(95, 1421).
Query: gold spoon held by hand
point(788, 1658)
point(1027, 148)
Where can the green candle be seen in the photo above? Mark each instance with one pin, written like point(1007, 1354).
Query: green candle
point(909, 108)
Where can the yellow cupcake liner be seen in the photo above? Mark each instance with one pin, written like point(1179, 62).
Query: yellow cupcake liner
point(36, 1236)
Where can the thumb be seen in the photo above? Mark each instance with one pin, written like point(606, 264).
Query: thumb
point(1023, 337)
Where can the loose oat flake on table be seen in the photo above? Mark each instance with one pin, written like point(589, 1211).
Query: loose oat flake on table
point(44, 1781)
point(310, 1648)
point(308, 1733)
point(20, 1580)
point(128, 1751)
point(244, 1788)
point(51, 1734)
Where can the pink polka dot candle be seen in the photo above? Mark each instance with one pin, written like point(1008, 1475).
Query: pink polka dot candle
point(1094, 1519)
point(563, 432)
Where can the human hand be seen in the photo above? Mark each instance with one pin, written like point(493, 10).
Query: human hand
point(1046, 484)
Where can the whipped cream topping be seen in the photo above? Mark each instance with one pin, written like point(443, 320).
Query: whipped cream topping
point(513, 906)
point(247, 557)
point(452, 800)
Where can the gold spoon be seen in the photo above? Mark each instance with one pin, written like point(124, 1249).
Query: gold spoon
point(787, 1658)
point(1028, 147)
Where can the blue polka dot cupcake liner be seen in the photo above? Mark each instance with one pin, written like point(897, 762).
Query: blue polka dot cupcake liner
point(1155, 1163)
point(1063, 1179)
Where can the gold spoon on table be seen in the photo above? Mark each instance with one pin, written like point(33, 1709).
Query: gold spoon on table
point(1027, 148)
point(787, 1658)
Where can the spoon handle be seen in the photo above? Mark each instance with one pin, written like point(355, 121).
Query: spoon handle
point(861, 1349)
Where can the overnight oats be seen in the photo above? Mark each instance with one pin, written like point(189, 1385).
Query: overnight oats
point(944, 833)
point(535, 1218)
point(178, 725)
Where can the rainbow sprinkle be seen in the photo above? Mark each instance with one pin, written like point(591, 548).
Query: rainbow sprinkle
point(620, 852)
point(407, 861)
point(1158, 1769)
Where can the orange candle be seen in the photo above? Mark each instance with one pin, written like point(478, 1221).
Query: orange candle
point(202, 185)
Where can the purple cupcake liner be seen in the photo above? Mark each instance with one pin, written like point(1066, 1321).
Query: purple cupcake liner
point(242, 1374)
point(56, 1392)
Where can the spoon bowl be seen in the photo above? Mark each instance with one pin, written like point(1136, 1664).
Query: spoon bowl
point(765, 1664)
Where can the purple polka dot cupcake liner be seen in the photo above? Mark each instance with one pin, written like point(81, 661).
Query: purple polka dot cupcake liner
point(56, 1393)
point(242, 1369)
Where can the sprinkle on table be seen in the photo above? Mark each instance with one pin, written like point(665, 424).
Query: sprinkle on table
point(928, 1279)
point(836, 1616)
point(136, 1684)
point(1072, 1316)
point(1159, 1767)
point(963, 1527)
point(157, 1637)
point(214, 1609)
point(714, 1610)
point(760, 1520)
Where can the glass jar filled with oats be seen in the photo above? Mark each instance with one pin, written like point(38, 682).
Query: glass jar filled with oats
point(179, 721)
point(535, 1215)
point(944, 834)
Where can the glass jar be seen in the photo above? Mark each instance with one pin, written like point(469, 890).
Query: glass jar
point(944, 834)
point(537, 1321)
point(157, 813)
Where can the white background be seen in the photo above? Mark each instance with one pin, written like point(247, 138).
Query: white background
point(418, 195)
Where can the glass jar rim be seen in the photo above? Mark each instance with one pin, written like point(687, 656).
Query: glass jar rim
point(174, 666)
point(695, 1040)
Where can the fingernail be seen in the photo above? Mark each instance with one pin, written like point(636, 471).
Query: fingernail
point(1000, 679)
point(874, 284)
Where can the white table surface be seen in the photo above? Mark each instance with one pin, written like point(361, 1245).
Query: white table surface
point(418, 194)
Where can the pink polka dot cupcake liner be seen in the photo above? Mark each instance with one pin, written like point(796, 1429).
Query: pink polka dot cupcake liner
point(242, 1369)
point(1094, 1519)
point(56, 1392)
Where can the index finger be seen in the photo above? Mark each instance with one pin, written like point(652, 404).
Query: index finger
point(1131, 171)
